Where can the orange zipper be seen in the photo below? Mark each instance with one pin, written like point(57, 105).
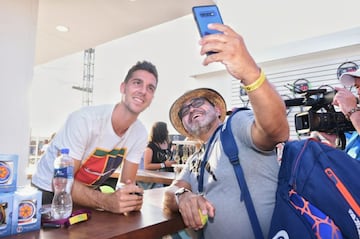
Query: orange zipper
point(343, 190)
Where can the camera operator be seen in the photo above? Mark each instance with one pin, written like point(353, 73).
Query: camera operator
point(348, 104)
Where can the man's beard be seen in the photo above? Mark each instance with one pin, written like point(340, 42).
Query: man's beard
point(203, 126)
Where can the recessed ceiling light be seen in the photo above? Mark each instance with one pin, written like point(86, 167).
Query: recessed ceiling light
point(61, 28)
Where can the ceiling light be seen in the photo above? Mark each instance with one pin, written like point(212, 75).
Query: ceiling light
point(61, 28)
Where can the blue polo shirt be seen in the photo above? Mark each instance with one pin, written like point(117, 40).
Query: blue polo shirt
point(353, 146)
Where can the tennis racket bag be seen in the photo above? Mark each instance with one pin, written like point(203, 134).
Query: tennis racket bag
point(318, 194)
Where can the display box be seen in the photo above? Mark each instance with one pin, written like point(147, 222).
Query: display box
point(8, 172)
point(26, 210)
point(6, 208)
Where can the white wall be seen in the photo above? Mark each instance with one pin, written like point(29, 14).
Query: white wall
point(17, 46)
point(176, 56)
point(268, 28)
point(318, 68)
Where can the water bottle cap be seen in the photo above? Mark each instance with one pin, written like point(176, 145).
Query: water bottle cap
point(65, 151)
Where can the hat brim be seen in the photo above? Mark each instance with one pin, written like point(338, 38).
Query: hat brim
point(211, 95)
point(348, 78)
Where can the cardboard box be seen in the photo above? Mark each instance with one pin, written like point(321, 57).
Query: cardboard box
point(6, 208)
point(26, 210)
point(8, 172)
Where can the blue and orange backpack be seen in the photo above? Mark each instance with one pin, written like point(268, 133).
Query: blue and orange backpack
point(318, 193)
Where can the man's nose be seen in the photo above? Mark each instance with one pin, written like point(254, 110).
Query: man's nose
point(143, 89)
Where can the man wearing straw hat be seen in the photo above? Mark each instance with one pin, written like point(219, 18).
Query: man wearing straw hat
point(198, 114)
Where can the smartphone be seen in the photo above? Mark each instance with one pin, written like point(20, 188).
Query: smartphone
point(204, 15)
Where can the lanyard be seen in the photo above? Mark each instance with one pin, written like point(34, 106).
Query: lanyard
point(204, 161)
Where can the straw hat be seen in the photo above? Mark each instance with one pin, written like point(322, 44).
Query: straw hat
point(211, 95)
point(348, 78)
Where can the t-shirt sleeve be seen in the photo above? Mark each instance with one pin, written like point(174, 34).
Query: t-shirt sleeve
point(137, 143)
point(74, 134)
point(241, 127)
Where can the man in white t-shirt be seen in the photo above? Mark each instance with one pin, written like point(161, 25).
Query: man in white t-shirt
point(100, 139)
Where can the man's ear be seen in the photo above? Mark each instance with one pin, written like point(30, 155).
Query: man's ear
point(122, 87)
point(218, 111)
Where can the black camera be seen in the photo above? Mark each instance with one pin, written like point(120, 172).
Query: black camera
point(330, 121)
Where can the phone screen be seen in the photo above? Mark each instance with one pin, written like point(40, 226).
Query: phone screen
point(204, 15)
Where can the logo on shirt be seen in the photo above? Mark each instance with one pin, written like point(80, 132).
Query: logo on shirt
point(99, 166)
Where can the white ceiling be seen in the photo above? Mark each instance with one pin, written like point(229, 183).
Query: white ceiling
point(264, 24)
point(93, 22)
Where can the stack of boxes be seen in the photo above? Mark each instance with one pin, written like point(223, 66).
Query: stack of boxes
point(19, 206)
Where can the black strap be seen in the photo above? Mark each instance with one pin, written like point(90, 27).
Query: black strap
point(231, 150)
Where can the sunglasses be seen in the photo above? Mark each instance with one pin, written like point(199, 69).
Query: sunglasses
point(195, 103)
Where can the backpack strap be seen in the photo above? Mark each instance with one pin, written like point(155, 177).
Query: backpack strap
point(231, 150)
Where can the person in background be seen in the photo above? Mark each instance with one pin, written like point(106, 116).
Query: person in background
point(348, 104)
point(157, 155)
point(44, 146)
point(100, 138)
point(199, 114)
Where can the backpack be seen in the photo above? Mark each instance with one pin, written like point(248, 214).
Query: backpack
point(325, 182)
point(318, 193)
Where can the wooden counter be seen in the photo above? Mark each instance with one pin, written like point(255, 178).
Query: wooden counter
point(151, 176)
point(151, 222)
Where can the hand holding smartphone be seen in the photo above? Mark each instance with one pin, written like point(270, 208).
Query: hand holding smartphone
point(205, 15)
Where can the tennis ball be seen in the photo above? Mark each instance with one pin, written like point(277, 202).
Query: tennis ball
point(106, 189)
point(204, 218)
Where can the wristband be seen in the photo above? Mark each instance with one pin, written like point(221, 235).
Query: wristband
point(256, 84)
point(162, 165)
point(353, 110)
point(179, 192)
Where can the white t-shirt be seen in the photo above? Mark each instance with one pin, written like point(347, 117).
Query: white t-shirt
point(90, 137)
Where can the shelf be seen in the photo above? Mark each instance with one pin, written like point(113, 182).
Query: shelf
point(185, 142)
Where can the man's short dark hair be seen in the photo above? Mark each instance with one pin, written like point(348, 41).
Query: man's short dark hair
point(142, 65)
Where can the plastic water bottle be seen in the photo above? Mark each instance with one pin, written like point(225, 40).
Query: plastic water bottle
point(61, 206)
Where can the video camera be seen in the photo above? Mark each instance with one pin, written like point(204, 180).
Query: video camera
point(331, 122)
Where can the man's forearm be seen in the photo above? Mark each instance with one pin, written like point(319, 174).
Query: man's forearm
point(169, 201)
point(85, 196)
point(270, 115)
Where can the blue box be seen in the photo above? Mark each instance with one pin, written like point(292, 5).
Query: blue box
point(8, 172)
point(6, 208)
point(26, 210)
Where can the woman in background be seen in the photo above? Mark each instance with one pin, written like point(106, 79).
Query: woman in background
point(157, 155)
